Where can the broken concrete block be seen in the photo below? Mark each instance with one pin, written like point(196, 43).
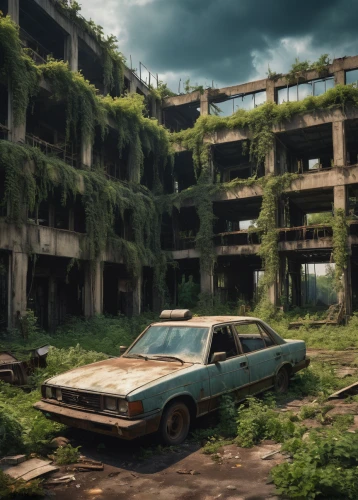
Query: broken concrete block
point(13, 460)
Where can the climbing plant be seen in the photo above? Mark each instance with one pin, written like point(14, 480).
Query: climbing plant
point(340, 250)
point(17, 68)
point(83, 107)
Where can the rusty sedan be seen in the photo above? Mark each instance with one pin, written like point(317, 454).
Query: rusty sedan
point(175, 371)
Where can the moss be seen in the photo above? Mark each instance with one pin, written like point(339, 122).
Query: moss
point(340, 250)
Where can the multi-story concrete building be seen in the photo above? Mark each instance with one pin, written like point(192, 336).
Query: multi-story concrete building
point(320, 146)
point(55, 235)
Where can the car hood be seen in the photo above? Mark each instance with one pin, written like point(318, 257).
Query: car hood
point(119, 376)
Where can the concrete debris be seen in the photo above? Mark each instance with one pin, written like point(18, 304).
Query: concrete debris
point(13, 460)
point(60, 480)
point(84, 467)
point(30, 469)
point(270, 455)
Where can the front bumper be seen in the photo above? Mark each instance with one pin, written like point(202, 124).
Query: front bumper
point(119, 427)
point(301, 365)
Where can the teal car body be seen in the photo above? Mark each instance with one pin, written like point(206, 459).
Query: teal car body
point(174, 372)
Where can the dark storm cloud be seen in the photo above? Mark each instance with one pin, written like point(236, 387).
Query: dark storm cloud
point(216, 39)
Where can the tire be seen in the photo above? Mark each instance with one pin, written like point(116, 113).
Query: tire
point(282, 381)
point(175, 423)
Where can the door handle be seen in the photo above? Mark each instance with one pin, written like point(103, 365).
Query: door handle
point(243, 364)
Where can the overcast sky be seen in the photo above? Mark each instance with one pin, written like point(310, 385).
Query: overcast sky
point(226, 41)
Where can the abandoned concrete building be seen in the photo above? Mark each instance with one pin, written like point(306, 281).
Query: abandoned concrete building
point(318, 147)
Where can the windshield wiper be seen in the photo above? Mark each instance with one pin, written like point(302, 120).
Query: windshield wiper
point(164, 356)
point(137, 356)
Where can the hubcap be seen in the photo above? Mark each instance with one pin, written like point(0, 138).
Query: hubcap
point(175, 424)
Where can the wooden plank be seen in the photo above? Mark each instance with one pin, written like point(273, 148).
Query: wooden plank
point(30, 469)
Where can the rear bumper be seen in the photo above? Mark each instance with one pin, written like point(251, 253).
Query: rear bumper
point(119, 427)
point(301, 365)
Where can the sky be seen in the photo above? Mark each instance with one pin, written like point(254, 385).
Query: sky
point(225, 42)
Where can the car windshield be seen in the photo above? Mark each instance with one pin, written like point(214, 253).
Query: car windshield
point(184, 342)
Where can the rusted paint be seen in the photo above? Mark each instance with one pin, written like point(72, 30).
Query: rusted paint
point(118, 376)
point(118, 427)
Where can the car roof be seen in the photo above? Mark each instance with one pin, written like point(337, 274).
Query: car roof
point(207, 321)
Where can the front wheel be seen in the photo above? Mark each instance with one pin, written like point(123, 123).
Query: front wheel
point(282, 381)
point(175, 423)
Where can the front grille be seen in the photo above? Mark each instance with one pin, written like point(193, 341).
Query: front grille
point(81, 399)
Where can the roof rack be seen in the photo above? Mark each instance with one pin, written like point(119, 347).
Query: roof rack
point(176, 314)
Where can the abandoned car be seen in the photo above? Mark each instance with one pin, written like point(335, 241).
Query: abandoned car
point(175, 371)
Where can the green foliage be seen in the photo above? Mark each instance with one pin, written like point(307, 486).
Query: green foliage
point(113, 59)
point(320, 218)
point(188, 292)
point(66, 455)
point(18, 67)
point(340, 241)
point(29, 430)
point(82, 105)
point(192, 88)
point(10, 433)
point(10, 488)
point(324, 466)
point(258, 420)
point(61, 360)
point(227, 417)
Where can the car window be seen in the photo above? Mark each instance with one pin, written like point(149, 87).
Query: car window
point(223, 341)
point(252, 337)
point(185, 342)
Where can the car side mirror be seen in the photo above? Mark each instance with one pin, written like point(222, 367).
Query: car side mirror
point(122, 349)
point(218, 356)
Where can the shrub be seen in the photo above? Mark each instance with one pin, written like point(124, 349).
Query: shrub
point(10, 434)
point(324, 466)
point(258, 420)
point(67, 455)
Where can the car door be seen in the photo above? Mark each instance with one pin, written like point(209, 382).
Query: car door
point(263, 355)
point(232, 374)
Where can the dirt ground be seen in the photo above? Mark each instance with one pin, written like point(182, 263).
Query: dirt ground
point(135, 470)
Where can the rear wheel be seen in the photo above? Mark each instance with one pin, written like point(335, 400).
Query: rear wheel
point(282, 381)
point(175, 423)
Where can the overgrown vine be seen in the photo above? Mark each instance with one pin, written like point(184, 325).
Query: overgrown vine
point(340, 250)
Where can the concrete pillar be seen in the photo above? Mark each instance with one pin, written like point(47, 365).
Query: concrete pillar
point(204, 104)
point(339, 143)
point(344, 295)
point(273, 294)
point(340, 77)
point(71, 50)
point(86, 153)
point(133, 170)
point(206, 282)
point(93, 303)
point(340, 198)
point(133, 85)
point(17, 131)
point(270, 160)
point(137, 296)
point(19, 264)
point(270, 91)
point(14, 10)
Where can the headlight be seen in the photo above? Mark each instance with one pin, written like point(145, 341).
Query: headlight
point(110, 403)
point(122, 406)
point(59, 394)
point(50, 392)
